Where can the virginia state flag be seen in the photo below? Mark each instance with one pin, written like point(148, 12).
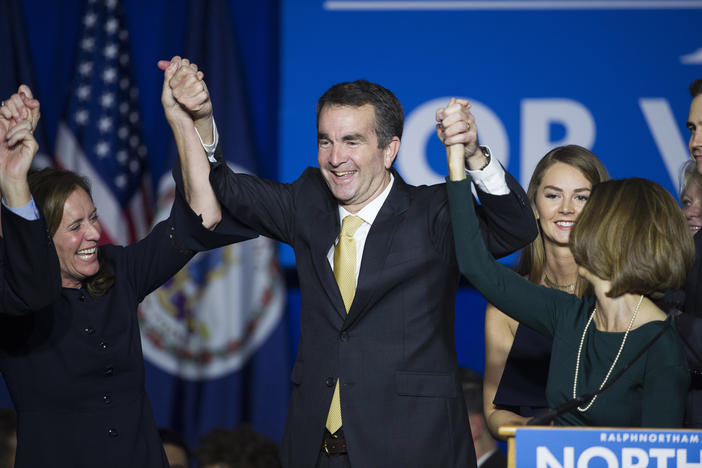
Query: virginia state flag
point(213, 336)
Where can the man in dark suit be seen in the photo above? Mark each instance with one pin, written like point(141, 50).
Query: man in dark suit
point(375, 383)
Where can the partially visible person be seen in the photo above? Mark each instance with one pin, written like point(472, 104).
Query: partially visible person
point(693, 288)
point(71, 356)
point(241, 447)
point(694, 123)
point(177, 451)
point(631, 243)
point(690, 322)
point(516, 356)
point(8, 437)
point(691, 197)
point(487, 452)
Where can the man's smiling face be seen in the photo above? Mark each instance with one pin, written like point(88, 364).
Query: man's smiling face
point(353, 166)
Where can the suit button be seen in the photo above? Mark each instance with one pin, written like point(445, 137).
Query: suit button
point(88, 330)
point(104, 345)
point(344, 336)
point(112, 432)
point(108, 371)
point(329, 381)
point(107, 398)
point(82, 297)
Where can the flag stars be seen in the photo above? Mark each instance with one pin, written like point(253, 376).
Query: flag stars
point(123, 35)
point(87, 44)
point(134, 166)
point(121, 181)
point(102, 149)
point(90, 19)
point(109, 75)
point(85, 68)
point(122, 157)
point(134, 141)
point(107, 100)
point(83, 92)
point(124, 82)
point(124, 108)
point(123, 132)
point(111, 26)
point(124, 60)
point(142, 151)
point(111, 4)
point(105, 124)
point(81, 116)
point(110, 51)
point(134, 118)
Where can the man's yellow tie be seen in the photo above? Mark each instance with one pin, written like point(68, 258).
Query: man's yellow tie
point(345, 274)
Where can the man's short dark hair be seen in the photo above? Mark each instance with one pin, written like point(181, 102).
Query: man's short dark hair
point(696, 88)
point(389, 116)
point(239, 448)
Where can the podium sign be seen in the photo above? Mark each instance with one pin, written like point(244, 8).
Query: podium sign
point(607, 448)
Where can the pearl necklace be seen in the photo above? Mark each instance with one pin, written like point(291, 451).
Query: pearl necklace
point(616, 358)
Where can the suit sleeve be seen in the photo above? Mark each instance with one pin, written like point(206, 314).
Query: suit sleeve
point(151, 261)
point(506, 221)
point(534, 305)
point(30, 275)
point(265, 206)
point(228, 231)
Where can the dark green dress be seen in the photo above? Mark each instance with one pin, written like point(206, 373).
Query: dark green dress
point(650, 394)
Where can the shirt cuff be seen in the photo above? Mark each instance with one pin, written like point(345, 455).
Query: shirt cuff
point(491, 178)
point(210, 149)
point(28, 211)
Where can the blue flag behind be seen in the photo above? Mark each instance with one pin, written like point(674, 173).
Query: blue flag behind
point(214, 334)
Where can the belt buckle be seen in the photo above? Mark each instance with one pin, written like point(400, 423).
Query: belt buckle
point(325, 447)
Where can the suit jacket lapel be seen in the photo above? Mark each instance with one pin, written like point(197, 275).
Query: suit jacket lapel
point(324, 229)
point(377, 248)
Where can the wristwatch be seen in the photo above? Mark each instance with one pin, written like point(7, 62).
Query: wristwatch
point(486, 152)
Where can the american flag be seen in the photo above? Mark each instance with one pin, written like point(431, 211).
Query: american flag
point(100, 136)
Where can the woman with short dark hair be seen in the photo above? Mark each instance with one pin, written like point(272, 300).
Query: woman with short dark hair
point(631, 243)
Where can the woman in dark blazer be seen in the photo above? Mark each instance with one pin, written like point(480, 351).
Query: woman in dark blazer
point(72, 357)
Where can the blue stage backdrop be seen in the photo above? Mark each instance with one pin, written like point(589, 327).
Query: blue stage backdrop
point(608, 75)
